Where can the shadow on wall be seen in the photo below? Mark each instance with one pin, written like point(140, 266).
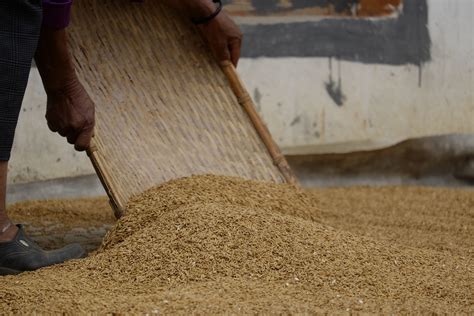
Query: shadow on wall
point(398, 39)
point(435, 161)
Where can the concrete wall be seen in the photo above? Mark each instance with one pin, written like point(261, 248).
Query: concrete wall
point(327, 76)
point(37, 153)
point(340, 84)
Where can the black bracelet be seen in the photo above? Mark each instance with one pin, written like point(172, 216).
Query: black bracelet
point(212, 16)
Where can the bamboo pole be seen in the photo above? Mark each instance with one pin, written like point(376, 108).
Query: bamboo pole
point(105, 179)
point(246, 102)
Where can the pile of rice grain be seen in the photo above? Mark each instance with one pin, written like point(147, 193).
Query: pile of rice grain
point(211, 244)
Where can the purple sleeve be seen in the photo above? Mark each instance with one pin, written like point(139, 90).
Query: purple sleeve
point(56, 13)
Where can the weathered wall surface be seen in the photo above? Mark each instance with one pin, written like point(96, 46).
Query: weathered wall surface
point(328, 77)
point(338, 82)
point(37, 153)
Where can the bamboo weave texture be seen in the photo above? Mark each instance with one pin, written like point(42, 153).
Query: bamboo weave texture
point(164, 108)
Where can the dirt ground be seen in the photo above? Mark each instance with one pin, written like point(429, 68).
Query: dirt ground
point(215, 244)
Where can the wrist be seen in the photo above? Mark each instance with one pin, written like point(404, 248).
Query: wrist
point(67, 86)
point(206, 19)
point(200, 9)
point(58, 77)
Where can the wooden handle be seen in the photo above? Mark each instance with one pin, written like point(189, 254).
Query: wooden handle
point(95, 158)
point(92, 147)
point(247, 103)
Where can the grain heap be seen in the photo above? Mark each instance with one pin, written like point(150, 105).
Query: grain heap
point(218, 244)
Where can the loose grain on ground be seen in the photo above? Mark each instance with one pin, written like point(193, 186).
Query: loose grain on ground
point(217, 244)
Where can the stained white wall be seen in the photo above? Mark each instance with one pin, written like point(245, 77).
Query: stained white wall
point(384, 104)
point(37, 153)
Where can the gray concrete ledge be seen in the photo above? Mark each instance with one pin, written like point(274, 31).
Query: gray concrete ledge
point(434, 161)
point(431, 161)
point(84, 186)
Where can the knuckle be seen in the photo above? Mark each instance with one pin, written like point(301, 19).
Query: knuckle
point(89, 124)
point(53, 128)
point(76, 125)
point(236, 41)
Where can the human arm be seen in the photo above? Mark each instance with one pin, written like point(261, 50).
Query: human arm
point(70, 110)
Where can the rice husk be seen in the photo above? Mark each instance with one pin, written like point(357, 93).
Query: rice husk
point(211, 244)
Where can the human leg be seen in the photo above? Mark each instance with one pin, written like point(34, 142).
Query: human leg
point(7, 229)
point(20, 24)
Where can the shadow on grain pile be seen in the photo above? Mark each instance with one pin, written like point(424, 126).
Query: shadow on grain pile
point(213, 244)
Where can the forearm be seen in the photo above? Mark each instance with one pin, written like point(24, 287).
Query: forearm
point(69, 109)
point(193, 9)
point(53, 59)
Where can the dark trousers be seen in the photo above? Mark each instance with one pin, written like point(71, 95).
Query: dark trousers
point(20, 24)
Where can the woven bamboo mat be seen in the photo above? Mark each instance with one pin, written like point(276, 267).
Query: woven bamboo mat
point(165, 108)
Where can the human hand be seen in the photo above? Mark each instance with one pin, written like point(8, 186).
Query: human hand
point(71, 113)
point(223, 37)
